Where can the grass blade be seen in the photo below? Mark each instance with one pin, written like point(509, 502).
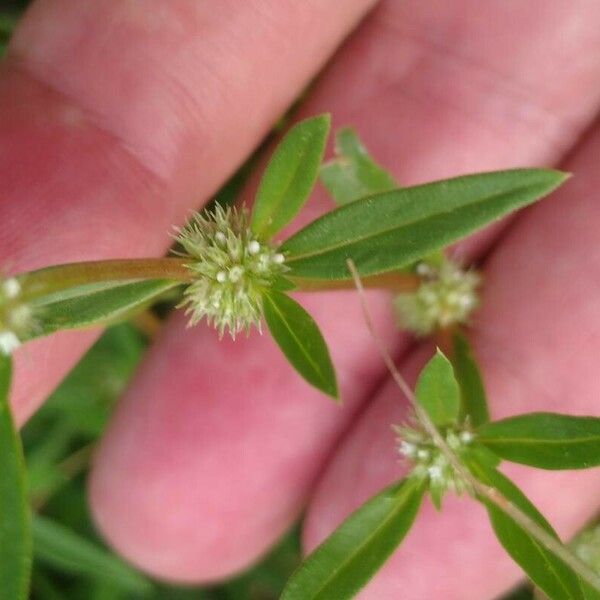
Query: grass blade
point(15, 533)
point(58, 546)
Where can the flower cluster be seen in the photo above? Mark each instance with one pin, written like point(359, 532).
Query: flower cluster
point(15, 316)
point(232, 270)
point(447, 295)
point(428, 460)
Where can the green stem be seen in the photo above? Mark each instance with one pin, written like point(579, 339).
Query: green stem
point(62, 277)
point(395, 282)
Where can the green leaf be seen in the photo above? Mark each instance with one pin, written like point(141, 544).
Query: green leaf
point(290, 176)
point(353, 174)
point(542, 566)
point(545, 440)
point(472, 391)
point(44, 587)
point(7, 24)
point(15, 534)
point(97, 304)
point(437, 391)
point(356, 550)
point(392, 230)
point(62, 548)
point(281, 284)
point(300, 340)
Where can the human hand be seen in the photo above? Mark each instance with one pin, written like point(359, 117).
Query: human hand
point(111, 115)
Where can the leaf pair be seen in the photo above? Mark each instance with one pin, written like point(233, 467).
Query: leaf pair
point(284, 189)
point(544, 440)
point(452, 395)
point(380, 227)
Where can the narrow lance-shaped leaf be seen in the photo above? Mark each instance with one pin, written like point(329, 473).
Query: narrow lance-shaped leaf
point(353, 174)
point(437, 391)
point(545, 440)
point(543, 567)
point(300, 340)
point(355, 551)
point(392, 230)
point(290, 176)
point(97, 304)
point(64, 549)
point(472, 391)
point(15, 533)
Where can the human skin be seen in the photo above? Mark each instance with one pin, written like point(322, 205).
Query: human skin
point(116, 120)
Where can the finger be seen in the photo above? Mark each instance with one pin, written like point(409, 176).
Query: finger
point(245, 436)
point(116, 119)
point(538, 335)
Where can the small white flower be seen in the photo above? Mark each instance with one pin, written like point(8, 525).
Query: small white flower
point(8, 342)
point(16, 317)
point(423, 454)
point(466, 437)
point(407, 449)
point(236, 273)
point(435, 472)
point(424, 270)
point(253, 247)
point(11, 288)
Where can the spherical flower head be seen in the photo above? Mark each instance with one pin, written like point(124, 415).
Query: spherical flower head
point(428, 461)
point(447, 295)
point(16, 319)
point(232, 270)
